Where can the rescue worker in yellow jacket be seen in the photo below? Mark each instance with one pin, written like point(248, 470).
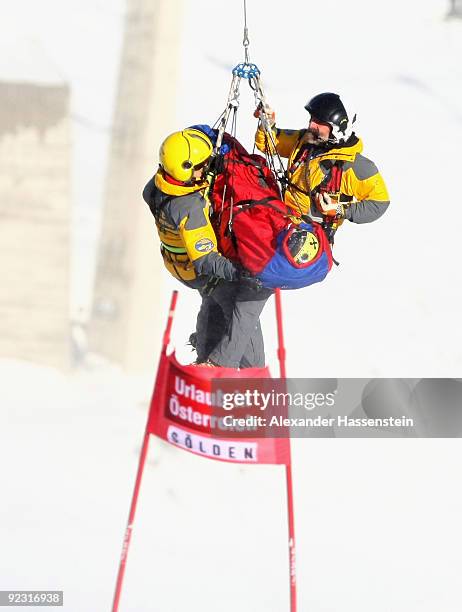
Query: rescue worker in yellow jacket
point(328, 178)
point(228, 332)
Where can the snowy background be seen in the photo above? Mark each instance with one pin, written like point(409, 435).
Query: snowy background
point(378, 521)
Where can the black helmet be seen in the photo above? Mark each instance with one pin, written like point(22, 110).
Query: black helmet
point(328, 108)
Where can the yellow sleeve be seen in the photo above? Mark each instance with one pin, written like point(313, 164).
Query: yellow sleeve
point(373, 188)
point(371, 194)
point(201, 247)
point(198, 241)
point(285, 140)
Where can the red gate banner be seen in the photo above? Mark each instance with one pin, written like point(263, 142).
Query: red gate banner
point(182, 408)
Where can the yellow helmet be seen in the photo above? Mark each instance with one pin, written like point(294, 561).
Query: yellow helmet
point(182, 152)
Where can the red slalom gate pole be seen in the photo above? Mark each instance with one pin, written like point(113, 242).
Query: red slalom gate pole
point(289, 484)
point(291, 526)
point(281, 347)
point(131, 518)
point(139, 475)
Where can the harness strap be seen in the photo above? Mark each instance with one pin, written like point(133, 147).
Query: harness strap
point(243, 205)
point(303, 154)
point(333, 179)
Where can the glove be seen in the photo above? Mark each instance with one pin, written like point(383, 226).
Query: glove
point(265, 111)
point(248, 280)
point(327, 206)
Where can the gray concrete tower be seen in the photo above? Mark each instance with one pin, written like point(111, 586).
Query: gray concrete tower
point(126, 320)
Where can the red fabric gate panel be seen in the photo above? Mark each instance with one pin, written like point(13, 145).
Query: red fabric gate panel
point(181, 410)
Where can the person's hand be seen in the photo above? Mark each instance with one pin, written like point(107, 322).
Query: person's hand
point(248, 280)
point(265, 111)
point(327, 206)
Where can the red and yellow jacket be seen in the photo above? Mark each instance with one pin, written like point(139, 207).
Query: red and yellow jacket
point(362, 189)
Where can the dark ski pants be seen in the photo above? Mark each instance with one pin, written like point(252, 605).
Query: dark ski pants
point(228, 326)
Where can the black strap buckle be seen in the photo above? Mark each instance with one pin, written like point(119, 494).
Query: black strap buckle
point(210, 285)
